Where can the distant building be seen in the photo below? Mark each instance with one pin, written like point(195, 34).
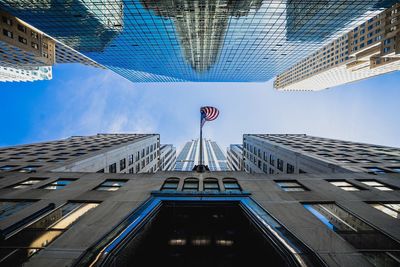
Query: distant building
point(300, 153)
point(27, 54)
point(371, 49)
point(9, 74)
point(21, 44)
point(213, 156)
point(167, 158)
point(108, 153)
point(235, 157)
point(85, 26)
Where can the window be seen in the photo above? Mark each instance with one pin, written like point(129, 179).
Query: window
point(130, 159)
point(360, 235)
point(191, 184)
point(378, 185)
point(8, 208)
point(231, 185)
point(395, 169)
point(7, 21)
point(59, 184)
point(7, 167)
point(27, 183)
point(21, 28)
point(375, 170)
point(112, 168)
point(171, 184)
point(122, 164)
point(391, 209)
point(22, 40)
point(280, 164)
point(346, 186)
point(211, 185)
point(34, 35)
point(7, 33)
point(291, 186)
point(289, 168)
point(35, 45)
point(41, 233)
point(29, 168)
point(301, 171)
point(271, 171)
point(272, 160)
point(100, 171)
point(111, 185)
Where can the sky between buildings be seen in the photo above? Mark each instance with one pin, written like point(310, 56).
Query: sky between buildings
point(82, 100)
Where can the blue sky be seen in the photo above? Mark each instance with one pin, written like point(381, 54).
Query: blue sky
point(82, 100)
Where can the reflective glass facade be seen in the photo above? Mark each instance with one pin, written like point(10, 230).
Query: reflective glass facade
point(184, 40)
point(213, 156)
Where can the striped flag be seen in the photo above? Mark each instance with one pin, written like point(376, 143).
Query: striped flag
point(208, 114)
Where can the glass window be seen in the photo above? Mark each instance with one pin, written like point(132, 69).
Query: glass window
point(391, 209)
point(291, 186)
point(28, 183)
point(395, 169)
point(346, 186)
point(378, 185)
point(29, 168)
point(111, 185)
point(280, 164)
point(112, 168)
point(130, 160)
point(289, 168)
point(7, 167)
point(122, 164)
point(211, 185)
point(8, 208)
point(40, 234)
point(191, 184)
point(360, 235)
point(59, 184)
point(375, 170)
point(231, 185)
point(171, 184)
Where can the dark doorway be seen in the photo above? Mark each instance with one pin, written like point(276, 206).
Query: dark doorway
point(215, 234)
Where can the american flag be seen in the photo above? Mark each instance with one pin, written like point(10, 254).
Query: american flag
point(208, 114)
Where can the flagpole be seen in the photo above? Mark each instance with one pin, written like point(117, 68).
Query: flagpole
point(201, 143)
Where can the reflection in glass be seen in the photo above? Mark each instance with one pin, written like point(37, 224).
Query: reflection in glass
point(359, 234)
point(41, 233)
point(8, 208)
point(186, 40)
point(201, 25)
point(391, 209)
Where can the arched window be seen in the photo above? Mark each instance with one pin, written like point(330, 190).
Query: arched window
point(211, 185)
point(171, 184)
point(231, 185)
point(191, 184)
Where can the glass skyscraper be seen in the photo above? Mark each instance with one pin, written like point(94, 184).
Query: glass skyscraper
point(213, 156)
point(216, 40)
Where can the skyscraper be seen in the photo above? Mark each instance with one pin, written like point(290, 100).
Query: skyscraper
point(108, 153)
point(27, 54)
point(9, 74)
point(235, 157)
point(167, 157)
point(219, 40)
point(213, 156)
point(369, 49)
point(300, 153)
